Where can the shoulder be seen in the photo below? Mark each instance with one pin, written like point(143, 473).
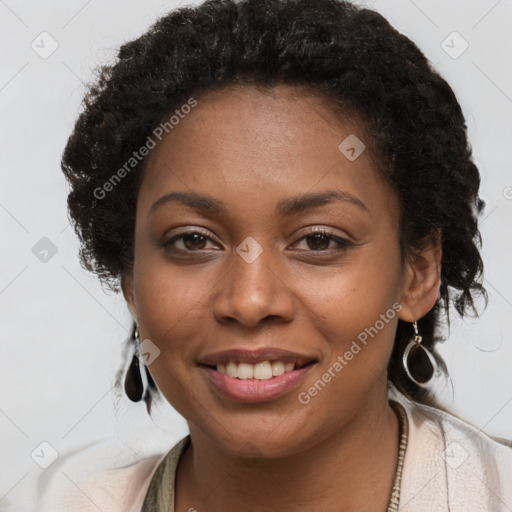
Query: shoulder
point(162, 486)
point(103, 476)
point(452, 465)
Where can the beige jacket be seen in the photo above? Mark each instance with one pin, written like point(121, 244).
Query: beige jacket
point(449, 465)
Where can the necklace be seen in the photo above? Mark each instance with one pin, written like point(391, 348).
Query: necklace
point(404, 430)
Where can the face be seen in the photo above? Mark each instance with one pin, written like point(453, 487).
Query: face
point(278, 241)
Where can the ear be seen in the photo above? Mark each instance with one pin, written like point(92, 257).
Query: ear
point(422, 279)
point(127, 287)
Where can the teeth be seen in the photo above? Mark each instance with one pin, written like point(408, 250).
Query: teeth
point(231, 369)
point(278, 368)
point(263, 370)
point(245, 371)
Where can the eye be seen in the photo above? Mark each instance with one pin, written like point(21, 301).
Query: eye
point(189, 241)
point(319, 240)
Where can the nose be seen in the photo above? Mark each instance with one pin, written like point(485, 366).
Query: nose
point(253, 293)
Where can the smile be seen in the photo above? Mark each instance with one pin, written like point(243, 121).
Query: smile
point(257, 382)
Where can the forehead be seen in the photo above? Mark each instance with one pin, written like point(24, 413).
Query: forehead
point(246, 143)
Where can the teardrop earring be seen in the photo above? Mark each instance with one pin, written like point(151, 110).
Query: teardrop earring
point(419, 363)
point(133, 385)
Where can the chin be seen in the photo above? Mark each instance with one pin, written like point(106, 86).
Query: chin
point(260, 443)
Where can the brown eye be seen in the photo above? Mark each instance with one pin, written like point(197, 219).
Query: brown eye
point(194, 241)
point(319, 240)
point(190, 241)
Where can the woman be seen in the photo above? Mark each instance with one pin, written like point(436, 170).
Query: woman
point(285, 194)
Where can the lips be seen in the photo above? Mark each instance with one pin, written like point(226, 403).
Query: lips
point(253, 390)
point(289, 369)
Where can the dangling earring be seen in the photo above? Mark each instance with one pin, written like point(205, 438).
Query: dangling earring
point(419, 364)
point(133, 385)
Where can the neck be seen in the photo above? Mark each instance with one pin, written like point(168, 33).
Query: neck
point(352, 469)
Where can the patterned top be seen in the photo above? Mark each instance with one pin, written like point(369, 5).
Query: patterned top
point(160, 496)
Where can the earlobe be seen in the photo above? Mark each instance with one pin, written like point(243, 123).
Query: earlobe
point(422, 280)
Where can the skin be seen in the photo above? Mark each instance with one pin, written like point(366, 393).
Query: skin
point(251, 149)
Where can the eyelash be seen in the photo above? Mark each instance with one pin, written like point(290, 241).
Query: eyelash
point(343, 243)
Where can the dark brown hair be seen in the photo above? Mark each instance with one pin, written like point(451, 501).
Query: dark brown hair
point(353, 58)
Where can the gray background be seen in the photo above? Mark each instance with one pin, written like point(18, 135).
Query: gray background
point(62, 335)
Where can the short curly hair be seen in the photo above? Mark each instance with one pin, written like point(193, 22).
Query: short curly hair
point(350, 56)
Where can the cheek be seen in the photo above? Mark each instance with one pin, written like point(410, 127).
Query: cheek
point(342, 300)
point(170, 305)
point(168, 297)
point(356, 303)
point(170, 314)
point(341, 306)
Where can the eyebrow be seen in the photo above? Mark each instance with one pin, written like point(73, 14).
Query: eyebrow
point(286, 207)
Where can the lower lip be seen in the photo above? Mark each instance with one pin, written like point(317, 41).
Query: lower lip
point(254, 390)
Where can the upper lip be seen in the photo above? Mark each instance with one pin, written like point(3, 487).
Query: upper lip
point(240, 355)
